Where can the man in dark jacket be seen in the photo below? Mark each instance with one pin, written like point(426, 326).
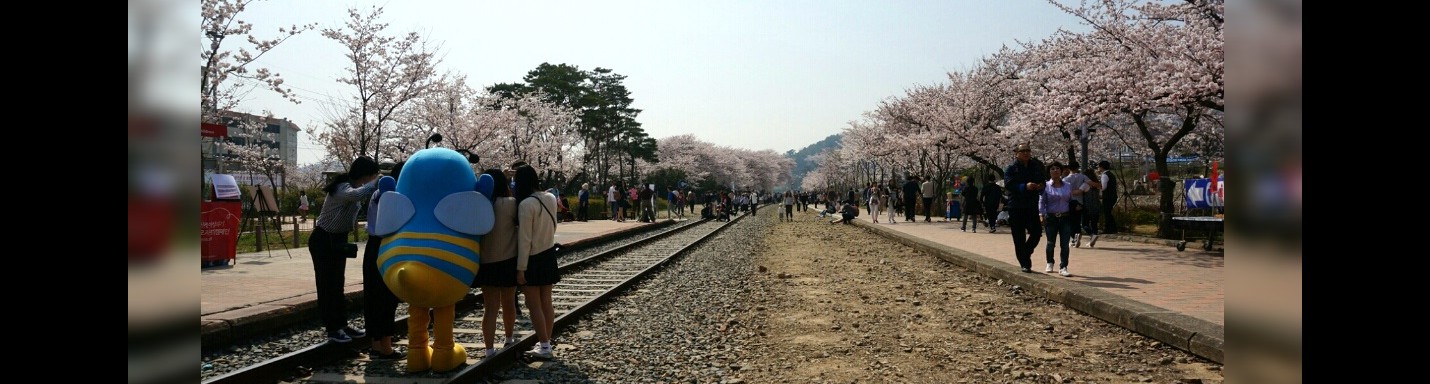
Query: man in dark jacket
point(992, 198)
point(1025, 179)
point(846, 213)
point(911, 197)
point(647, 214)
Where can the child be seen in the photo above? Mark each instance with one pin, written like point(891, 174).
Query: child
point(950, 207)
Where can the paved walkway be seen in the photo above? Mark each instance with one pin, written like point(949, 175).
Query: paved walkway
point(1150, 287)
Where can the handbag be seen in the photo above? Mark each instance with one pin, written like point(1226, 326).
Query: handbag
point(348, 250)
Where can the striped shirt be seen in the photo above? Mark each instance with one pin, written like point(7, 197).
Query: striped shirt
point(340, 209)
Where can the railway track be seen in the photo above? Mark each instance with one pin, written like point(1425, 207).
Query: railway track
point(587, 282)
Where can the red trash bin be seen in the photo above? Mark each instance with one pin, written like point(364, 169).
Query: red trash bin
point(219, 222)
point(218, 228)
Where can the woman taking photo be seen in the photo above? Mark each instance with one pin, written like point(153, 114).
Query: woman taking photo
point(328, 244)
point(536, 255)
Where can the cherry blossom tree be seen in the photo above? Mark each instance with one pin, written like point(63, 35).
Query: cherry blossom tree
point(525, 127)
point(256, 158)
point(767, 169)
point(1149, 72)
point(985, 97)
point(445, 109)
point(706, 164)
point(226, 75)
point(387, 73)
point(684, 155)
point(307, 177)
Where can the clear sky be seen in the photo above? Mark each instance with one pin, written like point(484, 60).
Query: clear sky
point(757, 75)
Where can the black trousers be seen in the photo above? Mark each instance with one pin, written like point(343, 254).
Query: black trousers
point(928, 208)
point(1027, 230)
point(379, 303)
point(581, 209)
point(910, 203)
point(328, 272)
point(1109, 222)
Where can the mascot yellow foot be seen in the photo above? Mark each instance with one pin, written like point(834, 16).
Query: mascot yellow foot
point(446, 353)
point(419, 355)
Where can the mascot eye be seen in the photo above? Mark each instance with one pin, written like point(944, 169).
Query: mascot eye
point(466, 212)
point(393, 211)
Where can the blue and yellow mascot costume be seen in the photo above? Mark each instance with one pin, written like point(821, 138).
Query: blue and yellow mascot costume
point(431, 222)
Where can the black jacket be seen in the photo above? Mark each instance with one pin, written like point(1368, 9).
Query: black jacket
point(1016, 179)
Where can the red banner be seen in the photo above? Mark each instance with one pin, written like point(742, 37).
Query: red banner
point(1213, 177)
point(218, 230)
point(213, 130)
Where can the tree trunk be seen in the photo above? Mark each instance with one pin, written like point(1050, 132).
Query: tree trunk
point(1165, 193)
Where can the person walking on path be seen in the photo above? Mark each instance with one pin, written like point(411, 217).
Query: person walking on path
point(1109, 196)
point(583, 202)
point(911, 197)
point(1025, 179)
point(329, 247)
point(888, 198)
point(613, 202)
point(1077, 208)
point(303, 206)
point(1092, 207)
point(789, 206)
point(992, 195)
point(1055, 212)
point(928, 193)
point(972, 208)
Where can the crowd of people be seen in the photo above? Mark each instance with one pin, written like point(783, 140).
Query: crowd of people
point(519, 251)
point(1032, 199)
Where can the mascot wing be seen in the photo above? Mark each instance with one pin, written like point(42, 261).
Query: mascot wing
point(465, 212)
point(394, 210)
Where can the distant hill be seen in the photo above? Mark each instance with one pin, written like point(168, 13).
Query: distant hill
point(802, 165)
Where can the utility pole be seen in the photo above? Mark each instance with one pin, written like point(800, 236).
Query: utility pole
point(1084, 134)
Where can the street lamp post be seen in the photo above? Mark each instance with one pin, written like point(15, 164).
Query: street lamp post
point(1084, 134)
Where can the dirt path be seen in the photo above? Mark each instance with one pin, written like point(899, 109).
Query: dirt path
point(846, 306)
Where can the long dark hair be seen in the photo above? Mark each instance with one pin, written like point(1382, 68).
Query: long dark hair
point(361, 167)
point(526, 182)
point(500, 182)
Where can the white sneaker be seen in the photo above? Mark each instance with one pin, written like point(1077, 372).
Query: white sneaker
point(1049, 269)
point(1092, 242)
point(1064, 272)
point(1076, 240)
point(540, 352)
point(490, 352)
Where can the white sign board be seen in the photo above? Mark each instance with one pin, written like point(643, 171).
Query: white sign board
point(225, 187)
